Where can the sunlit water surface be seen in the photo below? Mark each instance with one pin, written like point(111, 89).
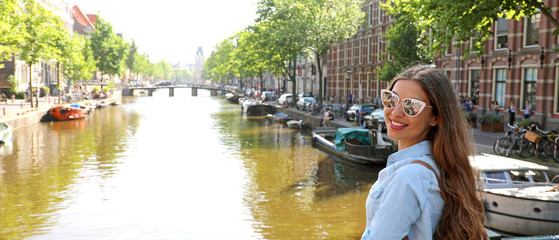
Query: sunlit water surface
point(178, 167)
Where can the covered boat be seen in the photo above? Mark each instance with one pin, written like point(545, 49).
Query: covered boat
point(353, 144)
point(281, 117)
point(519, 197)
point(63, 113)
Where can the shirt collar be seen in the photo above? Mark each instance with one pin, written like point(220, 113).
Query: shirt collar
point(419, 149)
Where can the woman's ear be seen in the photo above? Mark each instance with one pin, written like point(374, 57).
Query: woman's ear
point(434, 121)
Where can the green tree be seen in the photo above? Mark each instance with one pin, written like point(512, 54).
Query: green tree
point(39, 28)
point(78, 63)
point(10, 33)
point(109, 50)
point(448, 22)
point(132, 60)
point(403, 48)
point(327, 23)
point(282, 24)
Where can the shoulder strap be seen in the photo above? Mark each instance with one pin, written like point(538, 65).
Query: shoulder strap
point(432, 170)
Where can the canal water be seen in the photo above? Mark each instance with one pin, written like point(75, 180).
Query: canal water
point(178, 167)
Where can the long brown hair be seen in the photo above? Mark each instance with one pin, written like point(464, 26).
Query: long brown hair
point(463, 215)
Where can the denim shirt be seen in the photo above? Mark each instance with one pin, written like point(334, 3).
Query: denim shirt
point(405, 200)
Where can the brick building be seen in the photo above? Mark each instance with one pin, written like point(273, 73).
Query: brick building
point(519, 64)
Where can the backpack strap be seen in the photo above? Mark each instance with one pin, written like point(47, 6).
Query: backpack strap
point(436, 176)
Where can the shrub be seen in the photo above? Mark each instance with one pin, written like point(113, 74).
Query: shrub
point(489, 119)
point(527, 123)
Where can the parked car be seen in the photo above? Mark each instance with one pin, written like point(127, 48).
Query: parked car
point(163, 83)
point(304, 102)
point(359, 109)
point(374, 119)
point(284, 97)
point(302, 95)
point(268, 96)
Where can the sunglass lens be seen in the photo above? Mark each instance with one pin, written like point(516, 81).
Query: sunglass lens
point(389, 100)
point(412, 107)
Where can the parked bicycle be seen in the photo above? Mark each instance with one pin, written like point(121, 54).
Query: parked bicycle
point(546, 147)
point(529, 142)
point(502, 144)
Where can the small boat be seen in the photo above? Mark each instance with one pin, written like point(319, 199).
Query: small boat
point(63, 113)
point(5, 133)
point(232, 97)
point(299, 124)
point(519, 196)
point(281, 117)
point(102, 103)
point(253, 107)
point(353, 144)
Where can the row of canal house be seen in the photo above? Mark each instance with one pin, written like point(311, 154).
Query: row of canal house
point(519, 64)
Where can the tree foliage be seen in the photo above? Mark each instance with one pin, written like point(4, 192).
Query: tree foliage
point(448, 22)
point(403, 48)
point(109, 50)
point(10, 33)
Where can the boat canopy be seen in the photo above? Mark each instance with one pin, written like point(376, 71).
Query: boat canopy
point(361, 135)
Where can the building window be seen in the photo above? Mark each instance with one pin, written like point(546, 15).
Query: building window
point(370, 17)
point(379, 48)
point(556, 98)
point(500, 86)
point(379, 13)
point(369, 58)
point(501, 33)
point(474, 86)
point(361, 51)
point(532, 30)
point(530, 77)
point(348, 52)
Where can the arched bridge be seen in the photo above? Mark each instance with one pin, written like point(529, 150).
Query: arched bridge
point(129, 91)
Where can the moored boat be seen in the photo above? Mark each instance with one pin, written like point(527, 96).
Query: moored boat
point(6, 134)
point(353, 144)
point(519, 197)
point(63, 113)
point(281, 117)
point(297, 124)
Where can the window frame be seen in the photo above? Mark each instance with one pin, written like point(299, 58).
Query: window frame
point(497, 35)
point(525, 33)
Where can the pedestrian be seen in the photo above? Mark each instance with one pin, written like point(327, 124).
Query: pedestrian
point(331, 99)
point(527, 109)
point(512, 112)
point(496, 109)
point(437, 197)
point(328, 116)
point(467, 105)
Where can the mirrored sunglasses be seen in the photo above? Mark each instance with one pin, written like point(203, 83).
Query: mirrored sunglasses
point(411, 106)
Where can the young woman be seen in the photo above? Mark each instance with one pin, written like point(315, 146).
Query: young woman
point(435, 198)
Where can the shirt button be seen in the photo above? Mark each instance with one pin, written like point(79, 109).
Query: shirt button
point(391, 159)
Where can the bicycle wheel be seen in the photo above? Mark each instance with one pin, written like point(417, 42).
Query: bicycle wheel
point(527, 148)
point(544, 149)
point(502, 145)
point(514, 147)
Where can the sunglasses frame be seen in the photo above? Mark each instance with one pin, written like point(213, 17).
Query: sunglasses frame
point(422, 104)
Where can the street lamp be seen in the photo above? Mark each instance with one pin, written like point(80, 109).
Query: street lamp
point(348, 78)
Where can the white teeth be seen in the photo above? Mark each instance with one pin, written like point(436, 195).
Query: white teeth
point(398, 124)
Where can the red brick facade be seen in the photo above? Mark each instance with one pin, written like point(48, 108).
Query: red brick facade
point(522, 65)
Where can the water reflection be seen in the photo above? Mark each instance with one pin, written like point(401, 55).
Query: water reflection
point(176, 168)
point(295, 191)
point(45, 160)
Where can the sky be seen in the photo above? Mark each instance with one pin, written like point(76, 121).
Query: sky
point(173, 30)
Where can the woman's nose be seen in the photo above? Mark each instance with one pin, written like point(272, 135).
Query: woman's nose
point(398, 111)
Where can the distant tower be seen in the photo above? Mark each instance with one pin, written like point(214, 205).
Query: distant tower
point(199, 65)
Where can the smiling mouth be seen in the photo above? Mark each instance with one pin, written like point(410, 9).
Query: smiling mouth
point(397, 124)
